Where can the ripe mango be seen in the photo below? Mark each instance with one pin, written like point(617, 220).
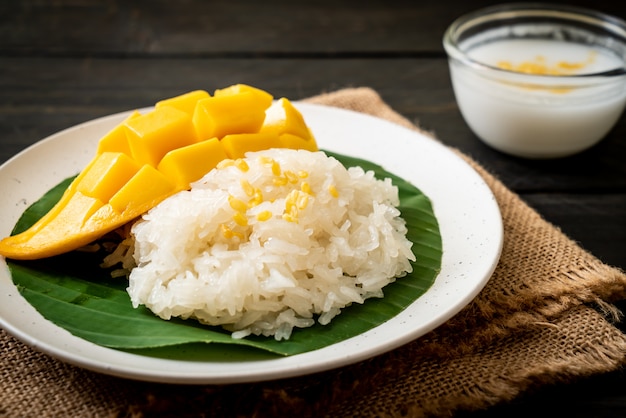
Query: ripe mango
point(188, 164)
point(185, 102)
point(149, 157)
point(220, 115)
point(115, 140)
point(152, 135)
point(284, 118)
point(236, 145)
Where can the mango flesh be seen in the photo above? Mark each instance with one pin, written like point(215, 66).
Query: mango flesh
point(108, 173)
point(236, 145)
point(185, 102)
point(154, 134)
point(188, 164)
point(115, 140)
point(284, 118)
point(149, 157)
point(221, 115)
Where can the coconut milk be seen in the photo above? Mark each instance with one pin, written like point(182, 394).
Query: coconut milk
point(530, 109)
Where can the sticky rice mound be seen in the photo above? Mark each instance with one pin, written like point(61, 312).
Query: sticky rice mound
point(269, 243)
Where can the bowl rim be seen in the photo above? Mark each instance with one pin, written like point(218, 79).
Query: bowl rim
point(609, 23)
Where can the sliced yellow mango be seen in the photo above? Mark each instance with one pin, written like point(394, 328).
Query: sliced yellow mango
point(50, 236)
point(236, 145)
point(185, 102)
point(109, 172)
point(154, 134)
point(225, 114)
point(263, 97)
point(115, 140)
point(283, 118)
point(79, 209)
point(144, 190)
point(295, 142)
point(148, 157)
point(54, 212)
point(188, 164)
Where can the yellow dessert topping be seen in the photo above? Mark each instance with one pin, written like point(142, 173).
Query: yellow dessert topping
point(541, 66)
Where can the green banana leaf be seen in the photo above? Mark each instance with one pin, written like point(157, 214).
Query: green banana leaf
point(73, 292)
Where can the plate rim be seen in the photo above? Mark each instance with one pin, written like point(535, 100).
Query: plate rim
point(89, 355)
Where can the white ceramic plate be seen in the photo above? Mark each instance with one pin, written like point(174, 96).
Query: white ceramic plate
point(467, 212)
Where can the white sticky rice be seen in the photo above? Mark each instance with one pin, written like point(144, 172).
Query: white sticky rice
point(274, 241)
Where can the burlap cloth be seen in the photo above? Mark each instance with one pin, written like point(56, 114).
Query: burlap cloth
point(544, 317)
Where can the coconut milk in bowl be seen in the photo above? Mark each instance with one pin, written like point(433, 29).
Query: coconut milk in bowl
point(538, 81)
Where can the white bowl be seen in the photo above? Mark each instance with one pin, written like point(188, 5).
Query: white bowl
point(538, 80)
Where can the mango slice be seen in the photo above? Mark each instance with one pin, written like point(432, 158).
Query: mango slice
point(108, 173)
point(143, 191)
point(263, 97)
point(220, 115)
point(152, 135)
point(295, 142)
point(60, 232)
point(284, 118)
point(149, 157)
point(115, 140)
point(185, 102)
point(236, 145)
point(185, 165)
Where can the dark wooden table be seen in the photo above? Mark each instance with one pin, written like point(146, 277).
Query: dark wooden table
point(66, 62)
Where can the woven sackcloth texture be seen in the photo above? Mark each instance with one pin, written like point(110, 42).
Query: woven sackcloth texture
point(544, 317)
